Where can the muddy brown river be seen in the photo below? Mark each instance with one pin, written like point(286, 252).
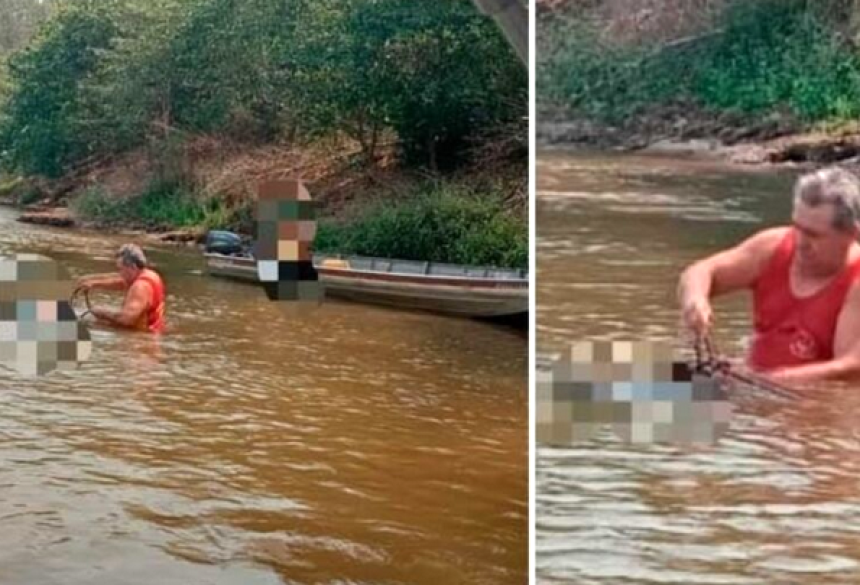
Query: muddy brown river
point(777, 499)
point(263, 443)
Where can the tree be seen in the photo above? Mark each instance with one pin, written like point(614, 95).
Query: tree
point(104, 76)
point(18, 21)
point(39, 132)
point(432, 71)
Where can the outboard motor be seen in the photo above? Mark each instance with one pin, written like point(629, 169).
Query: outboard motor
point(223, 242)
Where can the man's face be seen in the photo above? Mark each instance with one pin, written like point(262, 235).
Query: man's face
point(128, 273)
point(820, 246)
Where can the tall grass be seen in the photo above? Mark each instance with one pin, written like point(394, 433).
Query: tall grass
point(9, 184)
point(161, 206)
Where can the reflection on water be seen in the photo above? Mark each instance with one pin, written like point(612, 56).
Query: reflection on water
point(777, 500)
point(264, 442)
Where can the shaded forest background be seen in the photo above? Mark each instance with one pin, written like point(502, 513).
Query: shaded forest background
point(165, 113)
point(731, 69)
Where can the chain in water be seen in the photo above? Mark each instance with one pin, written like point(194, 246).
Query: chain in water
point(715, 364)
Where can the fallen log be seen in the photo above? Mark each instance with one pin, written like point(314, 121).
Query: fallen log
point(55, 217)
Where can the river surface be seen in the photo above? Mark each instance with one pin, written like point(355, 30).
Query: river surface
point(263, 443)
point(777, 499)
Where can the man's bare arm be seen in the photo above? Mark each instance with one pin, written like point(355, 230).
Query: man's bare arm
point(734, 269)
point(102, 282)
point(730, 270)
point(136, 303)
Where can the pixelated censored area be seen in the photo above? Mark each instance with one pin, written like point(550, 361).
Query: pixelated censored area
point(635, 389)
point(39, 330)
point(294, 291)
point(285, 229)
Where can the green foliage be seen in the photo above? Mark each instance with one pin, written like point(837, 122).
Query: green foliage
point(4, 88)
point(8, 185)
point(96, 204)
point(439, 223)
point(166, 205)
point(162, 205)
point(227, 66)
point(126, 100)
point(435, 72)
point(41, 132)
point(18, 19)
point(596, 78)
point(456, 76)
point(104, 76)
point(28, 195)
point(767, 55)
point(781, 53)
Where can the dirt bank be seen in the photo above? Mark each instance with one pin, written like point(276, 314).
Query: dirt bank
point(334, 172)
point(681, 131)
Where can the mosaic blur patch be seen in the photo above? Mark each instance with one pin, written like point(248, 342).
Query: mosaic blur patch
point(285, 231)
point(39, 330)
point(636, 389)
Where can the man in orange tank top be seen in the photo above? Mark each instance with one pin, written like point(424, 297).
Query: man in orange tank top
point(804, 279)
point(143, 308)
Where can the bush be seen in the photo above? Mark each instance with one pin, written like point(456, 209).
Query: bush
point(438, 223)
point(780, 53)
point(40, 132)
point(163, 205)
point(9, 185)
point(28, 195)
point(769, 55)
point(96, 204)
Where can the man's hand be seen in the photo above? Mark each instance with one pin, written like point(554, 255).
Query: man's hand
point(839, 368)
point(103, 315)
point(133, 309)
point(698, 316)
point(83, 284)
point(788, 376)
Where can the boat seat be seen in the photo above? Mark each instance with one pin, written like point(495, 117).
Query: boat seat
point(335, 263)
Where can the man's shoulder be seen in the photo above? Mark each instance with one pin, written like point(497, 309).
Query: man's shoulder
point(773, 234)
point(853, 296)
point(150, 273)
point(151, 278)
point(765, 242)
point(851, 302)
point(141, 287)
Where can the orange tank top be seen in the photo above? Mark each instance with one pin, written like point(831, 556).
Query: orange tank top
point(154, 322)
point(791, 330)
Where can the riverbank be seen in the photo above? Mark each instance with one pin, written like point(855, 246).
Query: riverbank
point(100, 101)
point(765, 82)
point(476, 215)
point(750, 145)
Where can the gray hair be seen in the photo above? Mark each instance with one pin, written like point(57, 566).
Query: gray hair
point(834, 186)
point(132, 255)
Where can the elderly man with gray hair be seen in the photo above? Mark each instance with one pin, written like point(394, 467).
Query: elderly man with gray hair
point(143, 308)
point(804, 282)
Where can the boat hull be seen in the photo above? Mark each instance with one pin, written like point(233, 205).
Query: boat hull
point(450, 289)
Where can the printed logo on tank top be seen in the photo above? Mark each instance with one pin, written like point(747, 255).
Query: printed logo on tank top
point(802, 345)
